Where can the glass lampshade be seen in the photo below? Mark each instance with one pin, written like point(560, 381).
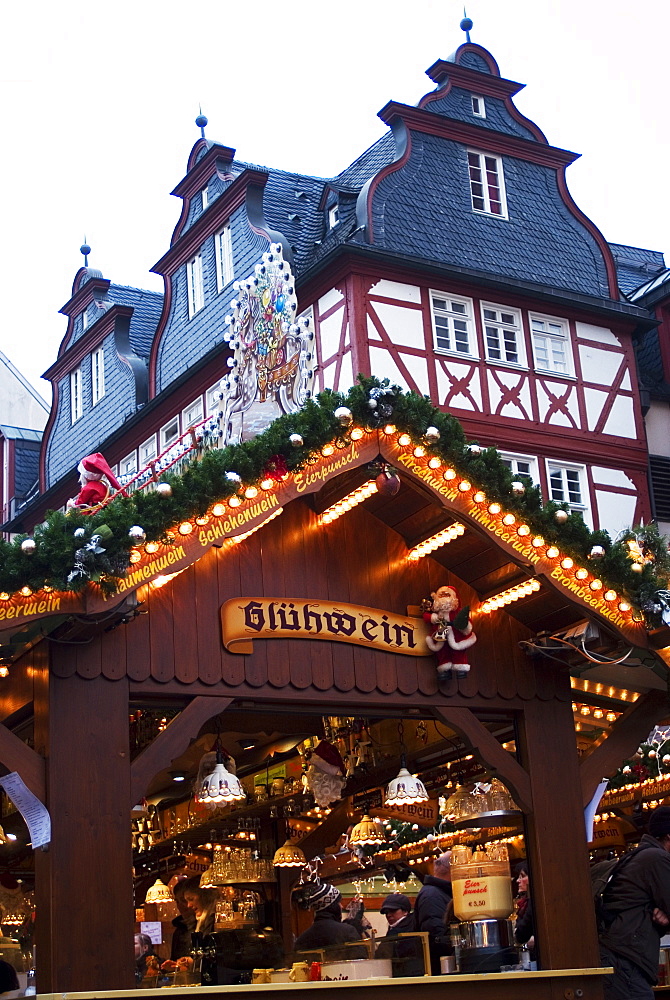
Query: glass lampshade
point(289, 855)
point(405, 789)
point(158, 893)
point(220, 785)
point(367, 831)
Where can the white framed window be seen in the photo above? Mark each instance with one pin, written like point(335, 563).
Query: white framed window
point(452, 324)
point(487, 184)
point(85, 319)
point(195, 286)
point(567, 484)
point(98, 375)
point(76, 395)
point(334, 215)
point(193, 414)
point(551, 344)
point(169, 433)
point(503, 334)
point(213, 399)
point(204, 194)
point(520, 465)
point(128, 466)
point(148, 451)
point(478, 106)
point(223, 246)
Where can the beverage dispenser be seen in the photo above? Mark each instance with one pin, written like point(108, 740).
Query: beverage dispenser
point(482, 887)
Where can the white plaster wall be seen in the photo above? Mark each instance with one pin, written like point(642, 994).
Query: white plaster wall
point(397, 290)
point(616, 511)
point(586, 331)
point(657, 422)
point(404, 327)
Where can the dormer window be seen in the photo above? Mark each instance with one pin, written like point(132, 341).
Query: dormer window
point(205, 198)
point(97, 375)
point(487, 185)
point(478, 106)
point(334, 215)
point(85, 320)
point(223, 246)
point(195, 286)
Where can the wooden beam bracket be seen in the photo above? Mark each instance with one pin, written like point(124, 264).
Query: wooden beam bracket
point(171, 742)
point(17, 756)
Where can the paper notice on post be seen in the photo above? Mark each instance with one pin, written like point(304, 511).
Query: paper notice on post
point(34, 813)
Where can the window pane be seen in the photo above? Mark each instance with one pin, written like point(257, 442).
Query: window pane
point(457, 307)
point(556, 485)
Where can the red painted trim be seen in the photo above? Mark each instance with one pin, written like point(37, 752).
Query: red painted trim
point(202, 171)
point(93, 337)
point(474, 135)
point(613, 393)
point(631, 491)
point(454, 75)
point(231, 199)
point(610, 266)
point(358, 290)
point(428, 341)
point(593, 503)
point(393, 350)
point(84, 295)
point(45, 437)
point(153, 356)
point(376, 180)
point(373, 297)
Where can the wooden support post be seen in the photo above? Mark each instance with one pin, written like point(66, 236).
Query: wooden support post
point(560, 884)
point(171, 742)
point(84, 880)
point(627, 732)
point(490, 752)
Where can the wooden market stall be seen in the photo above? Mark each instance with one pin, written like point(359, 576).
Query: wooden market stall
point(303, 619)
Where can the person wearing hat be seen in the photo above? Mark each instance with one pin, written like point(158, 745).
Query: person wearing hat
point(327, 930)
point(432, 907)
point(636, 909)
point(397, 908)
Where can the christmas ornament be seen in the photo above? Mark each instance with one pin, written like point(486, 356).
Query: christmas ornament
point(388, 482)
point(432, 435)
point(233, 477)
point(137, 534)
point(452, 633)
point(324, 777)
point(296, 440)
point(79, 533)
point(344, 415)
point(474, 449)
point(561, 516)
point(28, 546)
point(627, 768)
point(518, 488)
point(666, 758)
point(636, 567)
point(164, 490)
point(276, 468)
point(597, 552)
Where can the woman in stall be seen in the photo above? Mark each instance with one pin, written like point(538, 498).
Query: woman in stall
point(201, 902)
point(524, 930)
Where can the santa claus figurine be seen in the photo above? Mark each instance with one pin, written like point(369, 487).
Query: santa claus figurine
point(95, 477)
point(325, 774)
point(451, 632)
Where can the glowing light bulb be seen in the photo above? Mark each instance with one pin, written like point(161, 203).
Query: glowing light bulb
point(218, 509)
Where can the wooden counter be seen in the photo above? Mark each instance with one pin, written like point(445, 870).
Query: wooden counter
point(557, 984)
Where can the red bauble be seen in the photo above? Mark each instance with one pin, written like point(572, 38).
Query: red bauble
point(388, 483)
point(276, 468)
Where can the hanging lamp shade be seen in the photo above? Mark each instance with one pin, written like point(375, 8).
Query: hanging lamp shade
point(367, 831)
point(220, 785)
point(289, 855)
point(405, 789)
point(159, 893)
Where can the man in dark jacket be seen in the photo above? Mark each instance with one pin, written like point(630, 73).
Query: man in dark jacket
point(430, 909)
point(406, 953)
point(327, 929)
point(636, 903)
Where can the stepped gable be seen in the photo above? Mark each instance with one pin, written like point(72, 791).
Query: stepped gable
point(420, 204)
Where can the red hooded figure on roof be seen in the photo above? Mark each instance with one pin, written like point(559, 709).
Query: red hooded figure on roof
point(451, 632)
point(96, 478)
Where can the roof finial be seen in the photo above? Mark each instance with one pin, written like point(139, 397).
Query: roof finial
point(201, 122)
point(85, 250)
point(466, 25)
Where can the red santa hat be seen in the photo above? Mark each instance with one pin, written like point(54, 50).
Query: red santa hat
point(95, 467)
point(327, 758)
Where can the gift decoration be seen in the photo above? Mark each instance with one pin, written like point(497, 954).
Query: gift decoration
point(273, 359)
point(325, 774)
point(451, 634)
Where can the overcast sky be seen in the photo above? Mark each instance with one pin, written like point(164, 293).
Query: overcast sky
point(98, 102)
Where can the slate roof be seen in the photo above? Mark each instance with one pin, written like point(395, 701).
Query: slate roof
point(19, 433)
point(635, 265)
point(26, 466)
point(658, 287)
point(147, 308)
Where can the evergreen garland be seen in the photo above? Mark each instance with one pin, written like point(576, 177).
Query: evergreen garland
point(650, 760)
point(373, 403)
